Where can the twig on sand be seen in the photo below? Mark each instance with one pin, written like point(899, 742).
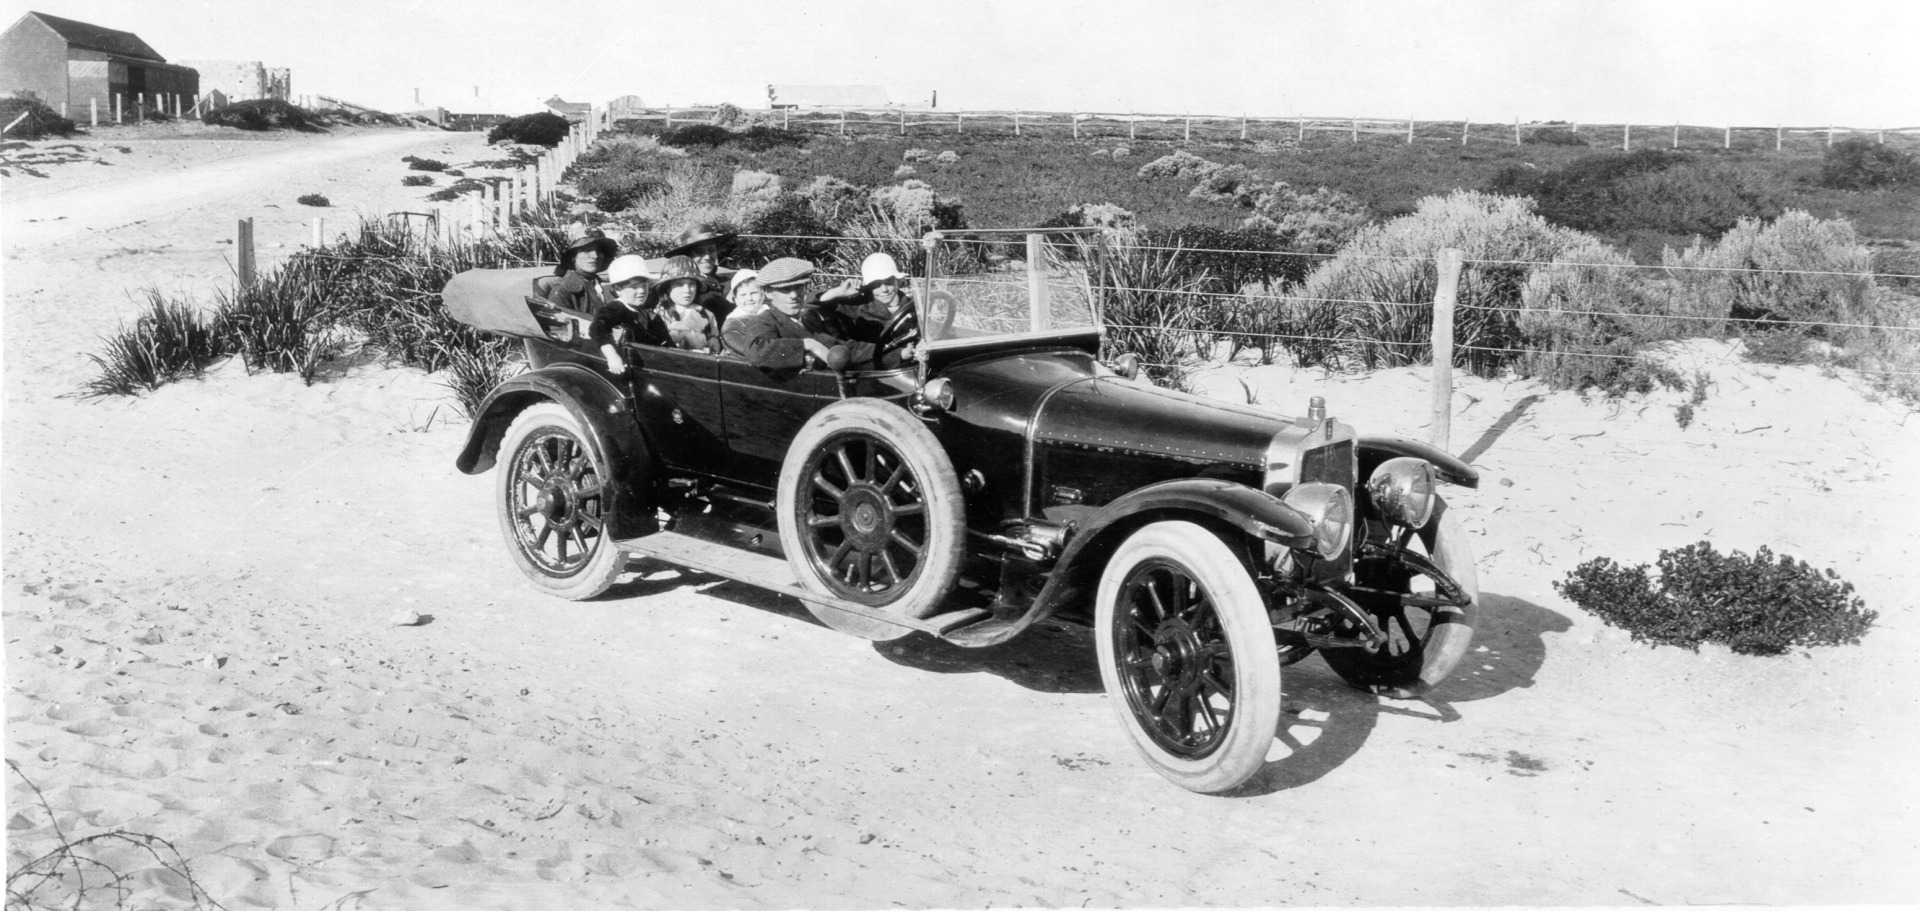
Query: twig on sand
point(48, 867)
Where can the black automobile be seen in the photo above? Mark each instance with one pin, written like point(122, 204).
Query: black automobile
point(1005, 477)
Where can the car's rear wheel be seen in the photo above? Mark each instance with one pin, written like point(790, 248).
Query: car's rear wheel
point(1426, 638)
point(1187, 655)
point(871, 513)
point(555, 505)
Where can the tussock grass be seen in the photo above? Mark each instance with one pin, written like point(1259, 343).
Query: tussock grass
point(169, 341)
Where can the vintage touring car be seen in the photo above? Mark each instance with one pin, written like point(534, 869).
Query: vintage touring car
point(1004, 478)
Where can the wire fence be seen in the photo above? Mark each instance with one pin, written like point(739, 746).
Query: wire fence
point(1184, 127)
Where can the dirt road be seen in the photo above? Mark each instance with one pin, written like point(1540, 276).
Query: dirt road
point(198, 586)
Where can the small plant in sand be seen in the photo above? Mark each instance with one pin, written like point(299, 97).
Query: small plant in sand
point(169, 341)
point(543, 129)
point(263, 114)
point(1755, 605)
point(416, 163)
point(314, 199)
point(417, 180)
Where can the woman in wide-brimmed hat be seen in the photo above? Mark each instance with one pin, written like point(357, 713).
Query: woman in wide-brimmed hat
point(702, 244)
point(588, 251)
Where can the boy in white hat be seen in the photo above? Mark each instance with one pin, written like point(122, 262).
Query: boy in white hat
point(630, 316)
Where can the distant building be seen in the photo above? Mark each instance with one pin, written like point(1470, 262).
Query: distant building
point(243, 80)
point(574, 111)
point(827, 96)
point(626, 106)
point(73, 63)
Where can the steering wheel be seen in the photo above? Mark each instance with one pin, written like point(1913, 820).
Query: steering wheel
point(902, 330)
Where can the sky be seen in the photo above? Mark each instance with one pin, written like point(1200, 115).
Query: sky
point(1808, 63)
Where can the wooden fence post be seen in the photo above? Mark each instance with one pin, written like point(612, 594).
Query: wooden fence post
point(783, 117)
point(1409, 131)
point(1189, 129)
point(843, 121)
point(1445, 296)
point(669, 125)
point(1243, 128)
point(1302, 135)
point(1727, 143)
point(1829, 136)
point(903, 121)
point(1466, 126)
point(1356, 131)
point(1576, 126)
point(1626, 136)
point(117, 109)
point(319, 233)
point(1133, 121)
point(1676, 135)
point(63, 111)
point(959, 122)
point(1076, 126)
point(93, 110)
point(1779, 131)
point(243, 247)
point(1037, 310)
point(1516, 131)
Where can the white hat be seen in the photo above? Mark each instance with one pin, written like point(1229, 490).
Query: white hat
point(740, 277)
point(878, 267)
point(630, 266)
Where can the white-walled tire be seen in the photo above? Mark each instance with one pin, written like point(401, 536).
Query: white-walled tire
point(554, 503)
point(1187, 656)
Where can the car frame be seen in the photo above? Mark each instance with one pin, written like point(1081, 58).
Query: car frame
point(1007, 477)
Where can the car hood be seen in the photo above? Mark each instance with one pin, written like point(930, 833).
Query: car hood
point(1109, 412)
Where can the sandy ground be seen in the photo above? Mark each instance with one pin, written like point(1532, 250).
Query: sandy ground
point(198, 586)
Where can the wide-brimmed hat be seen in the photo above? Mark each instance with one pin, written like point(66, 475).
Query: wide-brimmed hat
point(741, 277)
point(786, 272)
point(628, 266)
point(697, 235)
point(673, 270)
point(580, 237)
point(878, 267)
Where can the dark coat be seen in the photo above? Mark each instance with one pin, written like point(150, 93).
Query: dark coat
point(642, 327)
point(772, 340)
point(577, 290)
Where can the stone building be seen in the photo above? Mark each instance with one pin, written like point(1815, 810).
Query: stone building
point(69, 64)
point(243, 80)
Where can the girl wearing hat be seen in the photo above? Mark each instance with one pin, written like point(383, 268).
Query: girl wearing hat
point(676, 296)
point(588, 251)
point(629, 315)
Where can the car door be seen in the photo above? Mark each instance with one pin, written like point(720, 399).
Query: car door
point(677, 394)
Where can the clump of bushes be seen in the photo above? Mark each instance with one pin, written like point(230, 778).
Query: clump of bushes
point(1757, 273)
point(314, 199)
point(1554, 136)
point(1320, 221)
point(416, 163)
point(264, 114)
point(695, 135)
point(1182, 164)
point(40, 120)
point(416, 180)
point(913, 155)
point(1647, 189)
point(947, 157)
point(543, 129)
point(1758, 605)
point(1856, 164)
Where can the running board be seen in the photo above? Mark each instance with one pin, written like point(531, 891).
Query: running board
point(773, 574)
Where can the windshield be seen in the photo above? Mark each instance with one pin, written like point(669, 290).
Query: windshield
point(998, 284)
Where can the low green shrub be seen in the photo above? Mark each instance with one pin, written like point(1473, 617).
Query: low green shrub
point(1319, 222)
point(1181, 164)
point(1857, 164)
point(417, 180)
point(696, 135)
point(264, 114)
point(169, 341)
point(416, 163)
point(543, 129)
point(1643, 190)
point(1795, 268)
point(314, 199)
point(1758, 605)
point(766, 138)
point(1555, 137)
point(40, 119)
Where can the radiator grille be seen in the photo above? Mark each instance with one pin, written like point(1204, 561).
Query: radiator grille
point(1329, 464)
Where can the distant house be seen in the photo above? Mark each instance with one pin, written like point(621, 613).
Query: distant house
point(70, 64)
point(243, 80)
point(575, 112)
point(827, 96)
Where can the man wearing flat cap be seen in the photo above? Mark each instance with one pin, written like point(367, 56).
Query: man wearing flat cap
point(778, 338)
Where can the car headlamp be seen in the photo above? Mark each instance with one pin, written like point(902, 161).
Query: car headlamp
point(938, 394)
point(1330, 508)
point(1402, 489)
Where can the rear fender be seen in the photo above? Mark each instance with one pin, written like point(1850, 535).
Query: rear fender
point(1224, 505)
point(613, 433)
point(1374, 450)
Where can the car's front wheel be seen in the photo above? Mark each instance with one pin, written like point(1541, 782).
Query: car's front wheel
point(1428, 629)
point(871, 512)
point(555, 505)
point(1187, 655)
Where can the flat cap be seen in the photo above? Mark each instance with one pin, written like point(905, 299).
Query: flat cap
point(785, 271)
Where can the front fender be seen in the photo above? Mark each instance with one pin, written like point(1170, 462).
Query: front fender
point(1255, 512)
point(1374, 450)
point(613, 433)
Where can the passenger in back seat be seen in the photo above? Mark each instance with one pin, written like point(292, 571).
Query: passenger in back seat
point(630, 317)
point(588, 251)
